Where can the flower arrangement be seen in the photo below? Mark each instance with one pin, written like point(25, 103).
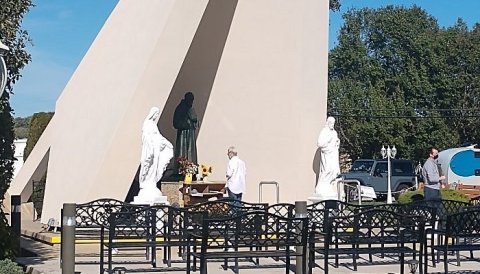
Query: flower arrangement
point(206, 170)
point(186, 166)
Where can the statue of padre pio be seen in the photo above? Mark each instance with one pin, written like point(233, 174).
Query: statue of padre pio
point(185, 122)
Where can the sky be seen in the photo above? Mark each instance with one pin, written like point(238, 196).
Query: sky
point(63, 30)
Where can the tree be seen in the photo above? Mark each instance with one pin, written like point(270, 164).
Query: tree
point(335, 5)
point(459, 79)
point(37, 125)
point(21, 127)
point(12, 35)
point(392, 76)
point(16, 38)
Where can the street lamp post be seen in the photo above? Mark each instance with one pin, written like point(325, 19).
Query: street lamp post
point(388, 153)
point(3, 68)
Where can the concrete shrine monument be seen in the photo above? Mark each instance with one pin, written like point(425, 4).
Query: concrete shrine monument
point(258, 69)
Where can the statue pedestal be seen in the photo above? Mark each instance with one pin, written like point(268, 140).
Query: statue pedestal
point(315, 198)
point(150, 196)
point(323, 192)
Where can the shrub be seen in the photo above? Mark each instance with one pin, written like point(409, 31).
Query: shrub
point(7, 244)
point(9, 267)
point(455, 195)
point(447, 194)
point(410, 196)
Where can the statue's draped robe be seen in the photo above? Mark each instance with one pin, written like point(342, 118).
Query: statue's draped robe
point(156, 154)
point(185, 121)
point(328, 143)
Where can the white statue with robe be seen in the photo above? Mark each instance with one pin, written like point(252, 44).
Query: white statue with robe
point(329, 170)
point(157, 152)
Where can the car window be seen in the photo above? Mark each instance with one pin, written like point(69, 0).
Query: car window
point(402, 168)
point(362, 166)
point(381, 168)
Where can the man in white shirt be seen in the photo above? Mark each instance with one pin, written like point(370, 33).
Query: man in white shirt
point(236, 172)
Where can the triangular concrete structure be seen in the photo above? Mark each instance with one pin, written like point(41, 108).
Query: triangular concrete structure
point(258, 69)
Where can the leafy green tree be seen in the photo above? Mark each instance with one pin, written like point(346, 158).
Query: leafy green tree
point(334, 5)
point(21, 127)
point(38, 123)
point(12, 35)
point(393, 74)
point(22, 122)
point(458, 80)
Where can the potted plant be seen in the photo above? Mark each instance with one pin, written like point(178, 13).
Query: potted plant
point(187, 168)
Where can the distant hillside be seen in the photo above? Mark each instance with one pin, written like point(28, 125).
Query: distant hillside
point(21, 127)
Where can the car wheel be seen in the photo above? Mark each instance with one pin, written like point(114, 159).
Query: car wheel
point(402, 188)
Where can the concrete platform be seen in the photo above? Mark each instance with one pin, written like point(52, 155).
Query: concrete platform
point(37, 231)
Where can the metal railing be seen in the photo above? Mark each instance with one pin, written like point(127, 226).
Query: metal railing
point(260, 186)
point(350, 182)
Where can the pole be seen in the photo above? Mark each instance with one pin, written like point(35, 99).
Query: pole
point(300, 212)
point(389, 194)
point(68, 239)
point(16, 220)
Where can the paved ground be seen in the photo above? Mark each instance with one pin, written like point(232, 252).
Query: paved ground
point(47, 260)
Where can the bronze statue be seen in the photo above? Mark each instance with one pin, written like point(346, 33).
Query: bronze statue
point(185, 121)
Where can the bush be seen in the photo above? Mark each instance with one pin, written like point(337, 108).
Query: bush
point(447, 194)
point(455, 195)
point(9, 267)
point(7, 244)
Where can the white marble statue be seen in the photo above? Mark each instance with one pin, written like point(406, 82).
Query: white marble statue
point(329, 145)
point(156, 154)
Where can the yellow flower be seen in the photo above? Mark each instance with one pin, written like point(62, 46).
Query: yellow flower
point(206, 169)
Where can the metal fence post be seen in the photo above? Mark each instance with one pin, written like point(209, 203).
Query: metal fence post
point(68, 239)
point(16, 219)
point(300, 212)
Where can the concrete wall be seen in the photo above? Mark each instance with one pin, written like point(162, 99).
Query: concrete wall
point(269, 96)
point(258, 69)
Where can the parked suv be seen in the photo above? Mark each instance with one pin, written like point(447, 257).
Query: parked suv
point(374, 173)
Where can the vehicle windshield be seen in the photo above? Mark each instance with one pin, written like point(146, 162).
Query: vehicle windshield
point(361, 166)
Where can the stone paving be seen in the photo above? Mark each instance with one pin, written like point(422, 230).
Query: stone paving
point(48, 260)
